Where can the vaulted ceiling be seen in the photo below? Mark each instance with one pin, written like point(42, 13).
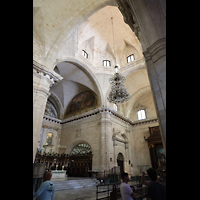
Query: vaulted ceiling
point(62, 28)
point(55, 20)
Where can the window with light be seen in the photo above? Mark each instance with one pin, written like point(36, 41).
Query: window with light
point(84, 53)
point(115, 106)
point(130, 58)
point(141, 114)
point(106, 63)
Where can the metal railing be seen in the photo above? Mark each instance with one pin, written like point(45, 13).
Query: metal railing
point(111, 191)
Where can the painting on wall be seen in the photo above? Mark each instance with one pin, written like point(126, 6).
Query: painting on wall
point(161, 157)
point(50, 109)
point(83, 100)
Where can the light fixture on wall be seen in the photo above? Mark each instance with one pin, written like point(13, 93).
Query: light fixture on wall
point(118, 93)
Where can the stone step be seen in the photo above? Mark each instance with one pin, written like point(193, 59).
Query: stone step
point(71, 184)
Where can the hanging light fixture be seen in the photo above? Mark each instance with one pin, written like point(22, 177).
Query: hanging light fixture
point(118, 93)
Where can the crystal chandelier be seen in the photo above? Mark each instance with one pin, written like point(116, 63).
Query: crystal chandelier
point(118, 93)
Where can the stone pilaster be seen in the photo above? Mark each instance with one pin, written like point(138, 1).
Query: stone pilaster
point(42, 81)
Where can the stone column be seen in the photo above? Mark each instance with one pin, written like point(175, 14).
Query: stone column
point(156, 68)
point(106, 147)
point(42, 81)
point(147, 19)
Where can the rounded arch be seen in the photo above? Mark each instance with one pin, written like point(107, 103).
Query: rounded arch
point(120, 156)
point(85, 69)
point(75, 143)
point(135, 97)
point(120, 162)
point(81, 148)
point(80, 159)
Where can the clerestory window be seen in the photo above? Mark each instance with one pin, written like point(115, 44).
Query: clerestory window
point(130, 58)
point(141, 114)
point(106, 63)
point(84, 53)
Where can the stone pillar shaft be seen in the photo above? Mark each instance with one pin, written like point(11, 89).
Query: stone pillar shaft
point(41, 92)
point(156, 67)
point(106, 149)
point(42, 81)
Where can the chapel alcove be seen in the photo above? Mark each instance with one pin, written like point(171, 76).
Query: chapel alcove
point(80, 161)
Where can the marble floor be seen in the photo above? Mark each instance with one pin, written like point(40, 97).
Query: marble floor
point(88, 193)
point(82, 193)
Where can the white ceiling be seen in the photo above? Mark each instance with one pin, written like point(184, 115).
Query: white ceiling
point(62, 27)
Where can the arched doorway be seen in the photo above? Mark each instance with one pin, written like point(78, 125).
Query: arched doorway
point(80, 161)
point(120, 162)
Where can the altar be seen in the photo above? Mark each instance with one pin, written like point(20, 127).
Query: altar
point(58, 174)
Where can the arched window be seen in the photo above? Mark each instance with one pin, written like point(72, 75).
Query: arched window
point(141, 114)
point(81, 149)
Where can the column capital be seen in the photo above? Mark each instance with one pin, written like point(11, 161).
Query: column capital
point(52, 77)
point(156, 50)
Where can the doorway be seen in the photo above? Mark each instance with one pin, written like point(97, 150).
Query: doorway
point(120, 162)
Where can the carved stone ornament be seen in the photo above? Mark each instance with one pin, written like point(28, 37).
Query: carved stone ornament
point(53, 77)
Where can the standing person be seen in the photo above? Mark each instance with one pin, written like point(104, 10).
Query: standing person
point(155, 190)
point(46, 190)
point(125, 190)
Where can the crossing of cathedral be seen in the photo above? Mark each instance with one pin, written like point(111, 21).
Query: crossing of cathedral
point(84, 129)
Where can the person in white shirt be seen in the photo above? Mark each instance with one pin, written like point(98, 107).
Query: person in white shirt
point(125, 190)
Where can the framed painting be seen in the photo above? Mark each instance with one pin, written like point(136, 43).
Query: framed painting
point(161, 157)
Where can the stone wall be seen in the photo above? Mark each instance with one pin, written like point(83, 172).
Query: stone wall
point(108, 133)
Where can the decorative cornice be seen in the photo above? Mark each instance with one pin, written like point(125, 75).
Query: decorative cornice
point(100, 110)
point(144, 122)
point(53, 77)
point(52, 119)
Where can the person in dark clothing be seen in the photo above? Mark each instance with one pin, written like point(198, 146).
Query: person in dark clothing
point(156, 190)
